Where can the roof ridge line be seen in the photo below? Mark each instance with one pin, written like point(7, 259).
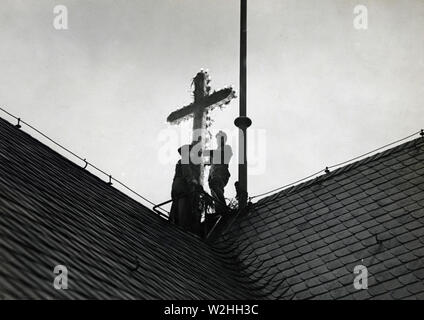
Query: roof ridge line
point(87, 163)
point(348, 167)
point(73, 163)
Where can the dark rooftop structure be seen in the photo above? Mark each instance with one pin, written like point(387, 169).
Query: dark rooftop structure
point(53, 212)
point(309, 238)
point(300, 243)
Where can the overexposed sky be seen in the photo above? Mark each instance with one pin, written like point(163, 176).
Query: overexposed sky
point(320, 90)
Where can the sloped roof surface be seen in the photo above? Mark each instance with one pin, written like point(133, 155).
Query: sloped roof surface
point(52, 212)
point(305, 241)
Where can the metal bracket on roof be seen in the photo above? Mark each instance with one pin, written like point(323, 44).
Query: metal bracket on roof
point(110, 180)
point(378, 240)
point(327, 170)
point(135, 268)
point(18, 125)
point(86, 163)
point(422, 133)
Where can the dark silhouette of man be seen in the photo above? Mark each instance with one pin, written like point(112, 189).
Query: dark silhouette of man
point(219, 173)
point(183, 187)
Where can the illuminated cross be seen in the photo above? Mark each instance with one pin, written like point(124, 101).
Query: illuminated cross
point(203, 102)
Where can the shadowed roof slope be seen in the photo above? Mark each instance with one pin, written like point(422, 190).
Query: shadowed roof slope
point(305, 241)
point(53, 212)
point(300, 243)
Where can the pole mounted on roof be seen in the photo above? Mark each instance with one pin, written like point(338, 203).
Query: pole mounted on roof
point(243, 122)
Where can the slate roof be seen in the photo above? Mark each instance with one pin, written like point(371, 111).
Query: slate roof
point(53, 212)
point(304, 242)
point(300, 243)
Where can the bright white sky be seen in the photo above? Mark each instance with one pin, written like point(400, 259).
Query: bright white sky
point(323, 91)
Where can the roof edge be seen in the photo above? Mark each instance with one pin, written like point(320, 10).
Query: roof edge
point(75, 165)
point(413, 143)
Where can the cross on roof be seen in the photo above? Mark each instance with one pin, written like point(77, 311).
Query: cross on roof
point(198, 109)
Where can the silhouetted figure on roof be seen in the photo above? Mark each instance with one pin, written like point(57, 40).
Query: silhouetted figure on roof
point(182, 193)
point(219, 173)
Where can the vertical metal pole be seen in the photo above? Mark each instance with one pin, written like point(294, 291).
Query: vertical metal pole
point(243, 122)
point(243, 56)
